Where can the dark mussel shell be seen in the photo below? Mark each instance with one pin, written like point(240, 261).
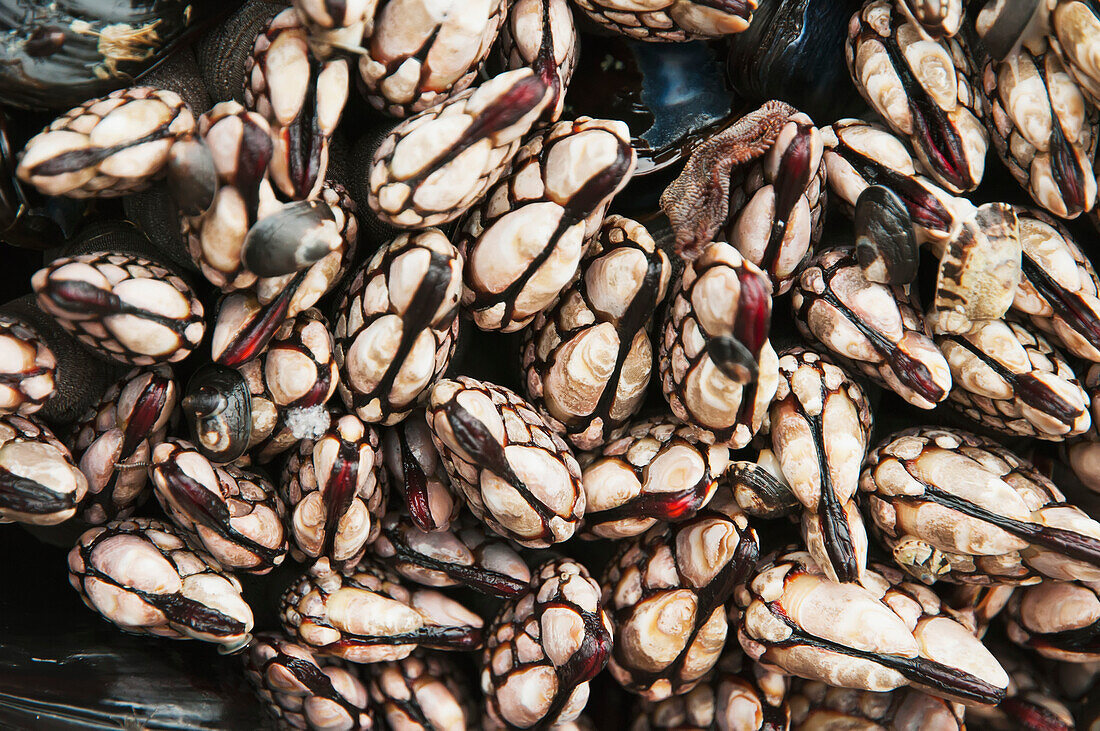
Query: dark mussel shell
point(794, 51)
point(218, 409)
point(58, 54)
point(669, 94)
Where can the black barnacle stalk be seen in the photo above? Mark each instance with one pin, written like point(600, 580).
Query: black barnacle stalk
point(44, 370)
point(140, 575)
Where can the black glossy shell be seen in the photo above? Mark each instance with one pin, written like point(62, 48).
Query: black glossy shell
point(218, 408)
point(58, 54)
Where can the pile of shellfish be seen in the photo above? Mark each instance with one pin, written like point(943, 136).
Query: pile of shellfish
point(375, 312)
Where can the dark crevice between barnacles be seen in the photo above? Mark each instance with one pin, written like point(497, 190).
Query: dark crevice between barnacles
point(697, 202)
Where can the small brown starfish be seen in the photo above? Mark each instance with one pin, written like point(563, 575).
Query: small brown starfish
point(697, 202)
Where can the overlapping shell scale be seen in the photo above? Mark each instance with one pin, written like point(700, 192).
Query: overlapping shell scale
point(957, 507)
point(396, 326)
point(666, 591)
point(588, 359)
point(522, 245)
point(1042, 127)
point(108, 147)
point(660, 469)
point(820, 425)
point(423, 692)
point(670, 20)
point(141, 575)
point(419, 54)
point(300, 97)
point(872, 327)
point(880, 634)
point(466, 555)
point(114, 442)
point(39, 482)
point(777, 203)
point(27, 368)
point(416, 471)
point(921, 88)
point(515, 473)
point(236, 515)
point(125, 306)
point(544, 647)
point(1007, 377)
point(437, 164)
point(305, 691)
point(335, 491)
point(718, 369)
point(365, 615)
